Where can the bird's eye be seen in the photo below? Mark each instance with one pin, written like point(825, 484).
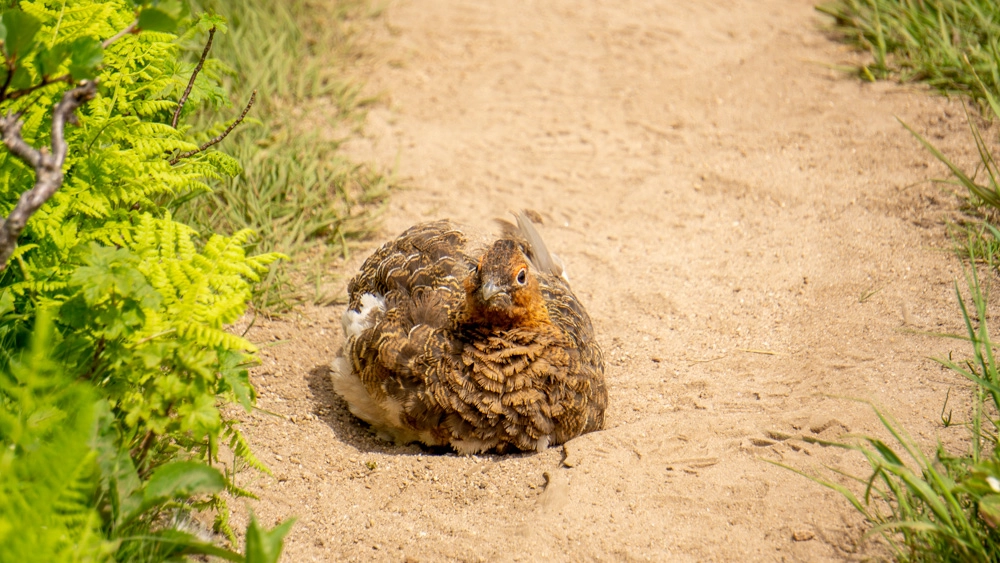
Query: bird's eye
point(522, 276)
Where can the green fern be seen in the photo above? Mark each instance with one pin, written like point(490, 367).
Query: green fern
point(141, 301)
point(48, 473)
point(221, 523)
point(241, 449)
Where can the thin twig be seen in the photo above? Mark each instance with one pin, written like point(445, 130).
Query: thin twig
point(10, 127)
point(139, 453)
point(705, 360)
point(130, 29)
point(218, 139)
point(46, 81)
point(155, 336)
point(765, 352)
point(6, 82)
point(95, 362)
point(47, 165)
point(139, 457)
point(194, 75)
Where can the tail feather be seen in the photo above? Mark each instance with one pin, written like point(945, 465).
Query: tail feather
point(541, 255)
point(534, 246)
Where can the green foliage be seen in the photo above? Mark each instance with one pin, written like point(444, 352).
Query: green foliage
point(113, 349)
point(143, 321)
point(48, 469)
point(264, 546)
point(954, 45)
point(945, 507)
point(19, 33)
point(297, 189)
point(162, 16)
point(180, 480)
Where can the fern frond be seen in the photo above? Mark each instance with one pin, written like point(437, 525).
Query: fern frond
point(46, 286)
point(71, 504)
point(214, 338)
point(221, 523)
point(241, 449)
point(21, 250)
point(239, 492)
point(142, 299)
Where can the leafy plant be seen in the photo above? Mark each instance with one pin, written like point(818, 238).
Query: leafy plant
point(68, 493)
point(48, 467)
point(128, 304)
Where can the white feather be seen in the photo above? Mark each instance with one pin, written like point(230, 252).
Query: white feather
point(356, 322)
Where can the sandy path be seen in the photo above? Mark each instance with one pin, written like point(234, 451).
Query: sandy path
point(715, 194)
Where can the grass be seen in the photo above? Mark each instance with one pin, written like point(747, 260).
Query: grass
point(297, 190)
point(941, 506)
point(953, 45)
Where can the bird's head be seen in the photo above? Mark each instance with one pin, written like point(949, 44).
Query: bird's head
point(503, 290)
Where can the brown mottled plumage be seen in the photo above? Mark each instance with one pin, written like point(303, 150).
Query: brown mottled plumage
point(480, 352)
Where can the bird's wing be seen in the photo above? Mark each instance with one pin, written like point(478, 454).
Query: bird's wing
point(406, 341)
point(426, 256)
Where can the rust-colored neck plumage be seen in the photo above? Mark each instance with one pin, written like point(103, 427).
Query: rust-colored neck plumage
point(503, 291)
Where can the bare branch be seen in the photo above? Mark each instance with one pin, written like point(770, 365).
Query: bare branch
point(6, 82)
point(218, 139)
point(194, 75)
point(46, 81)
point(10, 126)
point(47, 164)
point(130, 29)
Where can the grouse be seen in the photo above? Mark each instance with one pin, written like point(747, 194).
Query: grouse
point(481, 348)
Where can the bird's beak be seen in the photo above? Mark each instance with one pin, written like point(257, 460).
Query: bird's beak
point(489, 290)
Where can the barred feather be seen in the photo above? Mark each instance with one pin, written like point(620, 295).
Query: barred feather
point(427, 358)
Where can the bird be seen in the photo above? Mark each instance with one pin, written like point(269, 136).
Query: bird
point(470, 346)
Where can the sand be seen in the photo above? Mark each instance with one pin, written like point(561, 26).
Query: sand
point(751, 231)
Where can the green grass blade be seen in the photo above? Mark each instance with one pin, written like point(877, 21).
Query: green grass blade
point(980, 191)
